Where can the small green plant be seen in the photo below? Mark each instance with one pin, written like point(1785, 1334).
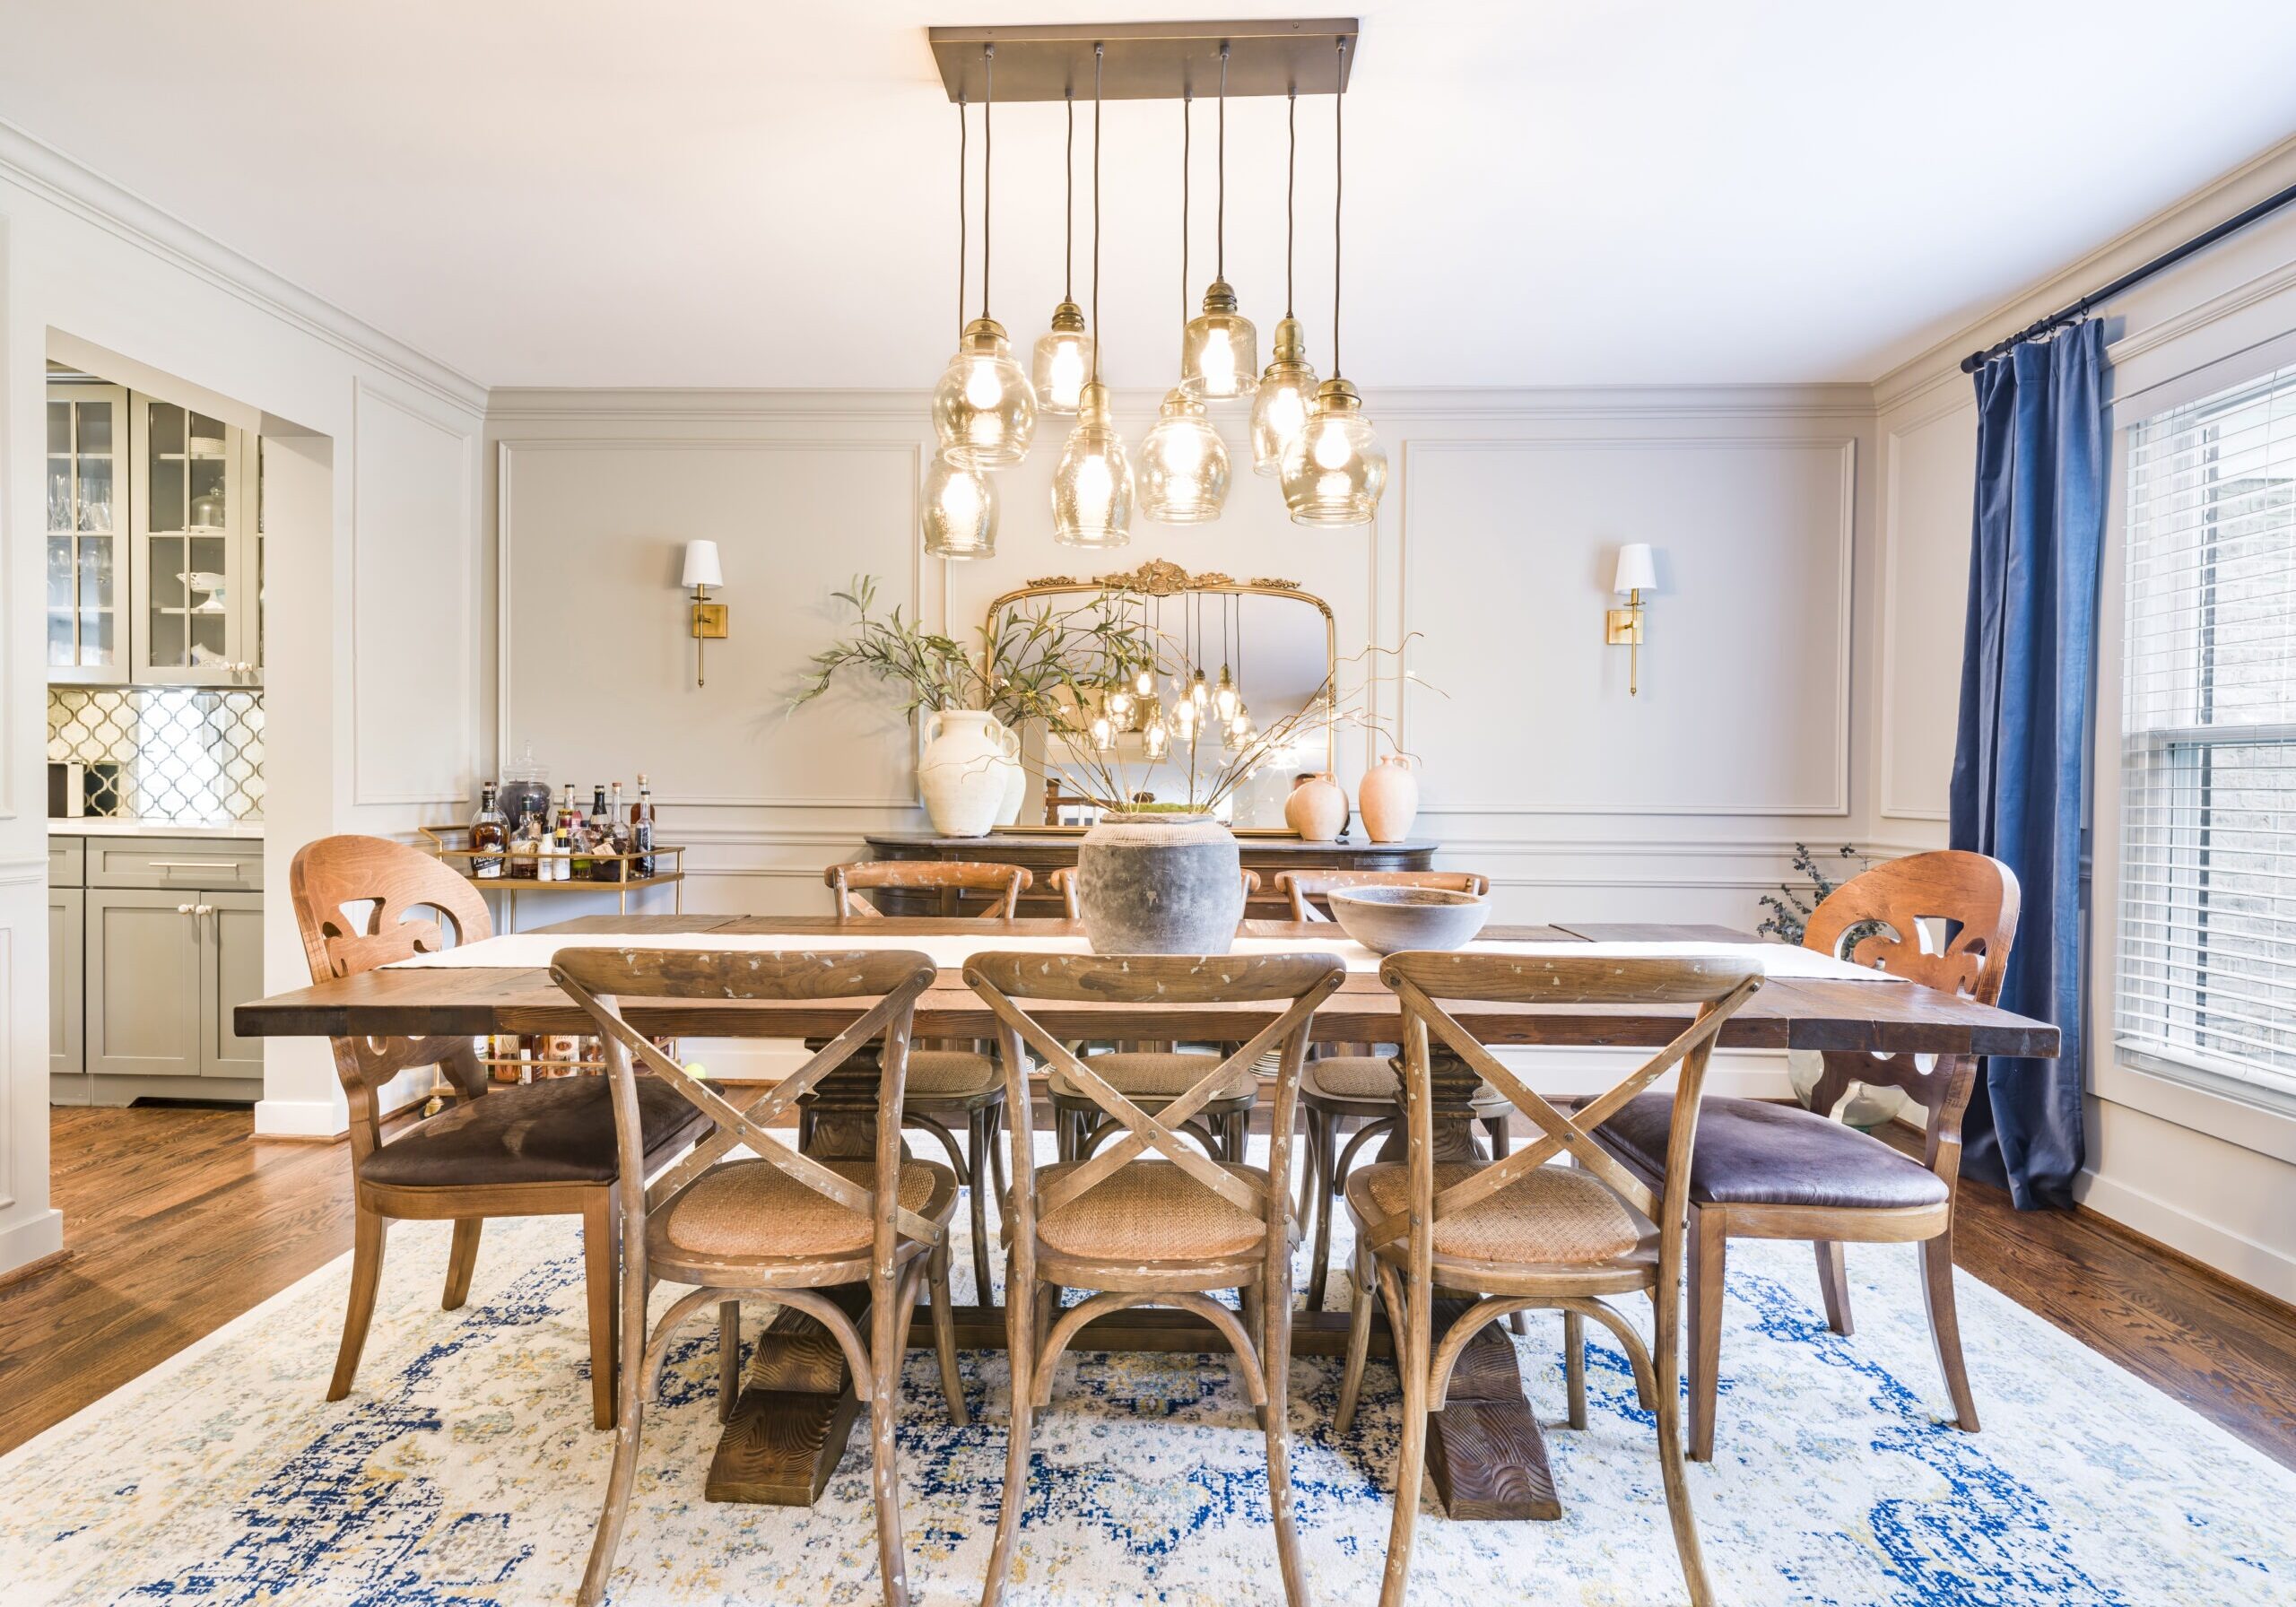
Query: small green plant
point(1789, 909)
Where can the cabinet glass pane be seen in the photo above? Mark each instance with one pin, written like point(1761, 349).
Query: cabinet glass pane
point(95, 428)
point(169, 566)
point(166, 510)
point(95, 506)
point(166, 422)
point(59, 493)
point(167, 640)
point(96, 571)
point(59, 639)
point(207, 638)
point(207, 510)
point(206, 437)
point(60, 573)
point(60, 426)
point(95, 636)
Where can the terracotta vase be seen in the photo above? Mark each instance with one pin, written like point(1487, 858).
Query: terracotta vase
point(1316, 809)
point(968, 762)
point(1389, 799)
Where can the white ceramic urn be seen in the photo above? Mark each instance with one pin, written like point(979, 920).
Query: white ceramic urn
point(968, 765)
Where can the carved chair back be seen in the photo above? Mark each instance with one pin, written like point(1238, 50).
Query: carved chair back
point(1001, 885)
point(1298, 982)
point(598, 979)
point(1064, 882)
point(1717, 988)
point(1888, 917)
point(410, 901)
point(1301, 886)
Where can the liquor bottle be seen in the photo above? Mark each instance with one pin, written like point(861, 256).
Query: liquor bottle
point(578, 833)
point(487, 831)
point(525, 851)
point(641, 829)
point(618, 821)
point(604, 867)
point(554, 856)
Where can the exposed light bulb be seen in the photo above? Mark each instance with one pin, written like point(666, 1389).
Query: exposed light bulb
point(1103, 733)
point(1226, 699)
point(1152, 741)
point(1198, 692)
point(1144, 682)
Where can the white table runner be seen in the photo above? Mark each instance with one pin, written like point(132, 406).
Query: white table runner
point(949, 950)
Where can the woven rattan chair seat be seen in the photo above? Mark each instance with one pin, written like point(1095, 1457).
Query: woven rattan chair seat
point(1551, 1214)
point(1140, 1075)
point(950, 1074)
point(1149, 1211)
point(1369, 1077)
point(752, 1208)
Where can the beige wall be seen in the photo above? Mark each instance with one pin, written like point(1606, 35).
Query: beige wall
point(2210, 1176)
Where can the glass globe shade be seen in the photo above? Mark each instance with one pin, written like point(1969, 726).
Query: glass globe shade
point(1226, 699)
point(1183, 465)
point(1064, 362)
point(1219, 349)
point(958, 512)
point(1091, 489)
point(1143, 680)
point(1286, 397)
point(984, 409)
point(1153, 739)
point(1334, 470)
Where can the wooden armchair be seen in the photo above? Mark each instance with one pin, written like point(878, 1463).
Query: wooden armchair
point(1765, 1170)
point(546, 1149)
point(1303, 887)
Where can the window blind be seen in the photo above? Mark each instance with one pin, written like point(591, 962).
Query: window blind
point(2207, 955)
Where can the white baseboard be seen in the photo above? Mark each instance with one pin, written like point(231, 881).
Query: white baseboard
point(31, 1240)
point(2234, 1254)
point(299, 1118)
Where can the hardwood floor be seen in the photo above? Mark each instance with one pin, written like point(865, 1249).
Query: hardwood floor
point(178, 1220)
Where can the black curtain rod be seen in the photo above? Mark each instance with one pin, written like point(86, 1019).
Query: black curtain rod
point(2167, 259)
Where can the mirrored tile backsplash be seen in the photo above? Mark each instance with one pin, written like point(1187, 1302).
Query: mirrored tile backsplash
point(191, 755)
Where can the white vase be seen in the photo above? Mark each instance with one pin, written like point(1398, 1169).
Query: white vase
point(1016, 791)
point(970, 760)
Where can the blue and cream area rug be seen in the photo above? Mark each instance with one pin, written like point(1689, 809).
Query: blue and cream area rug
point(462, 1471)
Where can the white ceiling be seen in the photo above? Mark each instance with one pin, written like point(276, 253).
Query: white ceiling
point(734, 193)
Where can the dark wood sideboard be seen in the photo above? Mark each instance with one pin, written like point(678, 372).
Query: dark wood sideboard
point(1042, 855)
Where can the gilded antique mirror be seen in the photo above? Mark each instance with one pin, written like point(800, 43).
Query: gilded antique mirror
point(1256, 658)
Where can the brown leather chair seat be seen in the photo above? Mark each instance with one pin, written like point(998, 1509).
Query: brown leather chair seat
point(1752, 1153)
point(561, 1131)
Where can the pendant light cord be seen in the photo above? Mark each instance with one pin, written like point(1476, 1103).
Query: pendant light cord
point(1291, 187)
point(1187, 130)
point(1097, 52)
point(988, 168)
point(1220, 246)
point(1338, 192)
point(964, 260)
point(1068, 231)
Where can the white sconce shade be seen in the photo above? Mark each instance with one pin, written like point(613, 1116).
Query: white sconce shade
point(701, 565)
point(1635, 571)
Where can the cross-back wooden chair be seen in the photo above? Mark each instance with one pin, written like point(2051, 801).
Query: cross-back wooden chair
point(1766, 1170)
point(781, 1224)
point(1150, 1071)
point(949, 1082)
point(1304, 887)
point(1166, 1231)
point(546, 1148)
point(1519, 1234)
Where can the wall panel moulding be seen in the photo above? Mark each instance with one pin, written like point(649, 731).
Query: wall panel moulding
point(1148, 61)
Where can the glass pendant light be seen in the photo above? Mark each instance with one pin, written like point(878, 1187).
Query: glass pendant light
point(1182, 462)
point(1334, 470)
point(1287, 391)
point(957, 506)
point(1220, 350)
point(1091, 489)
point(984, 409)
point(1063, 355)
point(1225, 698)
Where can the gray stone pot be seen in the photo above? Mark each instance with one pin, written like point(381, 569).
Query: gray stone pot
point(1159, 884)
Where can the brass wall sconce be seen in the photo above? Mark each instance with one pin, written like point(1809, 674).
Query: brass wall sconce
point(702, 573)
point(1623, 626)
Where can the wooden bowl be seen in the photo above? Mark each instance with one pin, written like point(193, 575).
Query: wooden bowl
point(1385, 919)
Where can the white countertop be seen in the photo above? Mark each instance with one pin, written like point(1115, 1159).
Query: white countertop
point(96, 825)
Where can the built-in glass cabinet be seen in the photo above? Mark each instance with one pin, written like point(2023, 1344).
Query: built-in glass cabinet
point(87, 480)
point(154, 555)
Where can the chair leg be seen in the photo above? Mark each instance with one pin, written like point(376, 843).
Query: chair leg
point(979, 1141)
point(1359, 1344)
point(366, 1278)
point(1501, 1143)
point(462, 1260)
point(1414, 1356)
point(729, 1357)
point(1323, 1157)
point(630, 1393)
point(887, 1343)
point(1672, 1469)
point(1276, 1355)
point(1708, 1254)
point(1574, 1366)
point(1019, 1327)
point(1833, 1285)
point(1944, 1325)
point(602, 1264)
point(805, 1124)
point(997, 1154)
point(944, 1332)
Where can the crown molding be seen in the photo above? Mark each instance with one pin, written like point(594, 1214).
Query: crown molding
point(47, 173)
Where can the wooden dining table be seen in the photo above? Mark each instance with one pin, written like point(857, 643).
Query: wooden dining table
point(788, 1429)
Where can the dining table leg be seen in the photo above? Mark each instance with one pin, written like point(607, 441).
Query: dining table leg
point(789, 1425)
point(1484, 1450)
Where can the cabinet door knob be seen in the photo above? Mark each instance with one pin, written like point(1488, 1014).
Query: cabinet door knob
point(202, 910)
point(186, 910)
